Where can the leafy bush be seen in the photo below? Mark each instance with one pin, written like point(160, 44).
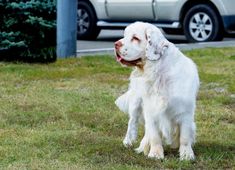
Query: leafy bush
point(28, 30)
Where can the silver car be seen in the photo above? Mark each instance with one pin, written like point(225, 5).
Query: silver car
point(198, 20)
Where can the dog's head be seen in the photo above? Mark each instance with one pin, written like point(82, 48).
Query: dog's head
point(142, 41)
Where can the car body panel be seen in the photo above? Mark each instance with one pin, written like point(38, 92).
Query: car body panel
point(121, 10)
point(168, 10)
point(99, 7)
point(225, 7)
point(163, 13)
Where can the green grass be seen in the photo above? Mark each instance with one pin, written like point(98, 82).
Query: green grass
point(62, 115)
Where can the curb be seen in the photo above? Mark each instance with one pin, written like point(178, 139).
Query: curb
point(215, 44)
point(98, 51)
point(183, 47)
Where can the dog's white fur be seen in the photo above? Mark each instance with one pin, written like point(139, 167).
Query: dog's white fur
point(163, 92)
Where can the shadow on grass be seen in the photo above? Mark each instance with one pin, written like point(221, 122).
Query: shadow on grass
point(214, 151)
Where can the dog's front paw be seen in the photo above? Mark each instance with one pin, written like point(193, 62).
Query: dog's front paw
point(139, 150)
point(186, 152)
point(155, 155)
point(128, 142)
point(156, 152)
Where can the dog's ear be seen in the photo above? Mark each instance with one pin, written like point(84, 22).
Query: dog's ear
point(156, 43)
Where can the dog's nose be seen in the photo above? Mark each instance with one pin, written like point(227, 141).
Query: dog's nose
point(117, 44)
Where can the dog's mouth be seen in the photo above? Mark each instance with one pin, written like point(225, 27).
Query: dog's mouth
point(121, 60)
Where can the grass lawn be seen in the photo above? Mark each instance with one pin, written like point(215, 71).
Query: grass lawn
point(62, 115)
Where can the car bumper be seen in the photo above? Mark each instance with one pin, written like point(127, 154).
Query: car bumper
point(229, 23)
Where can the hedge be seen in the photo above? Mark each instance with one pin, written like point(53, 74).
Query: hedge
point(28, 30)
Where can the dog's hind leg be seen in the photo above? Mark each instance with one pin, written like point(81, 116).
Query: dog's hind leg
point(187, 137)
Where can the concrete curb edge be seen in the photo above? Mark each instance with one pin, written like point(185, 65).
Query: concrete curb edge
point(183, 47)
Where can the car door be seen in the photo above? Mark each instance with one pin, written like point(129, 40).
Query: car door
point(128, 10)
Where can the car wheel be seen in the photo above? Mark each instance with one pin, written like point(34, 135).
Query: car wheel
point(86, 22)
point(201, 24)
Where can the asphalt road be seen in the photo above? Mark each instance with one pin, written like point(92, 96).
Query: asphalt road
point(106, 39)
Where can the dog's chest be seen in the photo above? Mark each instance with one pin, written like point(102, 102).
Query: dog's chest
point(148, 83)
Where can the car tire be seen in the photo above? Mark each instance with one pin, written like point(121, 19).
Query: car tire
point(86, 22)
point(201, 23)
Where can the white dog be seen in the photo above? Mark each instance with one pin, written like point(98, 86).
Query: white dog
point(163, 88)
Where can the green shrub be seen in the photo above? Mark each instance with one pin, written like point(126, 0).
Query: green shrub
point(28, 30)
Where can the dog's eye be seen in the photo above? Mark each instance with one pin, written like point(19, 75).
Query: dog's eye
point(134, 38)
